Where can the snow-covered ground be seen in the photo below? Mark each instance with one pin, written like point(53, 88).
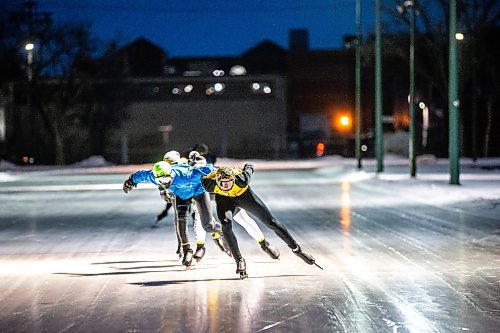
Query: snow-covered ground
point(479, 179)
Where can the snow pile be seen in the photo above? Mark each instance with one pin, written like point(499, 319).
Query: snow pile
point(92, 162)
point(396, 143)
point(6, 166)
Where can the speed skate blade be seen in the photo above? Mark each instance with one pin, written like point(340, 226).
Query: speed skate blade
point(319, 266)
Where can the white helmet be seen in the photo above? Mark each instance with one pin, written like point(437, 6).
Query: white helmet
point(172, 157)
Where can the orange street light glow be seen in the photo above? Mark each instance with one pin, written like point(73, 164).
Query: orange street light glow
point(344, 121)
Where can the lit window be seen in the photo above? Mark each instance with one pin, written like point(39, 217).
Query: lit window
point(237, 70)
point(219, 87)
point(191, 73)
point(209, 91)
point(218, 72)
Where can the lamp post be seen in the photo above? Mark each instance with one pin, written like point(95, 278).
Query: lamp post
point(409, 6)
point(379, 143)
point(453, 103)
point(29, 47)
point(358, 85)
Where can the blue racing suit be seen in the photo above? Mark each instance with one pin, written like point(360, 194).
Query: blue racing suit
point(186, 186)
point(186, 181)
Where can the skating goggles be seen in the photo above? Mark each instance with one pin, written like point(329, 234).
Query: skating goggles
point(164, 180)
point(225, 183)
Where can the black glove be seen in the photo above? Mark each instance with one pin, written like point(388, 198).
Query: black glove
point(196, 160)
point(165, 195)
point(128, 185)
point(248, 166)
point(193, 154)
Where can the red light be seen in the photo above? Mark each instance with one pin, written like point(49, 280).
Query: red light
point(26, 159)
point(320, 149)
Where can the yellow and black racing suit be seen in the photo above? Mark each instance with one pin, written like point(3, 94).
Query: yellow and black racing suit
point(241, 196)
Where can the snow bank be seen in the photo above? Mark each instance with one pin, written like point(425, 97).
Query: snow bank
point(92, 162)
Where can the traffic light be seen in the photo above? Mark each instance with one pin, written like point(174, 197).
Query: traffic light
point(320, 149)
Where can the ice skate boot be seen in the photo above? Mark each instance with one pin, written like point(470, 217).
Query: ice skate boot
point(188, 258)
point(308, 259)
point(241, 268)
point(199, 253)
point(213, 227)
point(269, 249)
point(221, 243)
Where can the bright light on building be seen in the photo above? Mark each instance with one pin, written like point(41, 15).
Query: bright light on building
point(237, 70)
point(267, 89)
point(176, 91)
point(340, 119)
point(188, 88)
point(344, 121)
point(364, 147)
point(255, 86)
point(218, 72)
point(421, 105)
point(459, 36)
point(29, 46)
point(219, 87)
point(209, 91)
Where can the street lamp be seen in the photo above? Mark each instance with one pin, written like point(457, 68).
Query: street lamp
point(357, 130)
point(409, 6)
point(29, 47)
point(379, 143)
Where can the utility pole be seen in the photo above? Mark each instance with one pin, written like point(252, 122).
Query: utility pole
point(474, 83)
point(30, 23)
point(409, 6)
point(358, 85)
point(379, 134)
point(413, 164)
point(29, 7)
point(453, 102)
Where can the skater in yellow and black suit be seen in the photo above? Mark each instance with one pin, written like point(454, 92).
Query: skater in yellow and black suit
point(232, 192)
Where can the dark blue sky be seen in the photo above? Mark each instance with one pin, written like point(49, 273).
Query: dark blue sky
point(216, 27)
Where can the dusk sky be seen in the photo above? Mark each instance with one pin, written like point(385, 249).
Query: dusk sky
point(217, 27)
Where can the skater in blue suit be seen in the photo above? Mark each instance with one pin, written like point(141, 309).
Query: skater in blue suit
point(184, 182)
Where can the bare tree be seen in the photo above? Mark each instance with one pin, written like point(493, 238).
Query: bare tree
point(476, 19)
point(62, 95)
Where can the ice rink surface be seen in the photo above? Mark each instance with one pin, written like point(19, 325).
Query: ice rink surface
point(399, 255)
